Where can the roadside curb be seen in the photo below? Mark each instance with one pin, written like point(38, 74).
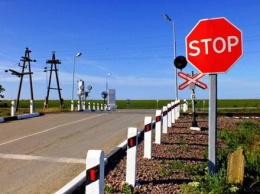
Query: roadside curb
point(19, 117)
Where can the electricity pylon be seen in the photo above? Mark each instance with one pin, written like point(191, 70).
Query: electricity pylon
point(53, 63)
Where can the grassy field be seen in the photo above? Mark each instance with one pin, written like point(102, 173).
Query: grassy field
point(241, 105)
point(140, 104)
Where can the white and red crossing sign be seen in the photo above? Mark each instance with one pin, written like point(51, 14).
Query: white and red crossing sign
point(191, 80)
point(214, 45)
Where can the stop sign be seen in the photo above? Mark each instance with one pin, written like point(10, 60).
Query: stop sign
point(214, 45)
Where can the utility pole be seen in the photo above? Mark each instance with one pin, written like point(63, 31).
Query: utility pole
point(53, 63)
point(25, 59)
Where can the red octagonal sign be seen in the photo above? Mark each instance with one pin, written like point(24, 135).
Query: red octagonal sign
point(214, 45)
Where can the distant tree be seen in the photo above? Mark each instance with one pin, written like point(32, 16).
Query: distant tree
point(1, 91)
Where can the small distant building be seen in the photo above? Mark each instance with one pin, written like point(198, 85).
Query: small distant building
point(111, 99)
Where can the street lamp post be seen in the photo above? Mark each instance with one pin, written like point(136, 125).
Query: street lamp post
point(72, 95)
point(107, 82)
point(174, 51)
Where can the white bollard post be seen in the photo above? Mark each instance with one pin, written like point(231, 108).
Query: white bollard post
point(165, 126)
point(72, 106)
point(94, 106)
point(105, 107)
point(84, 105)
point(132, 143)
point(158, 126)
point(178, 108)
point(95, 172)
point(169, 115)
point(12, 108)
point(185, 106)
point(89, 107)
point(173, 112)
point(148, 137)
point(101, 107)
point(97, 106)
point(78, 105)
point(31, 106)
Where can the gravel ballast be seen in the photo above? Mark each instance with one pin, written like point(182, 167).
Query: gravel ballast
point(180, 149)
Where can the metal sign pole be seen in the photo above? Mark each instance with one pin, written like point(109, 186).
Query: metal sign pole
point(194, 122)
point(212, 123)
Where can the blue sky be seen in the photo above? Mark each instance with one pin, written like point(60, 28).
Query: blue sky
point(127, 38)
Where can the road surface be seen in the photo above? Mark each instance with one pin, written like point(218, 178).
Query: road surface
point(40, 155)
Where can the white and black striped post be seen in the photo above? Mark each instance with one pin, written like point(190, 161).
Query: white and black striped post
point(132, 143)
point(95, 172)
point(158, 126)
point(148, 137)
point(165, 126)
point(173, 112)
point(178, 108)
point(169, 115)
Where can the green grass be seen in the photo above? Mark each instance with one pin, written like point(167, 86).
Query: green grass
point(247, 135)
point(121, 104)
point(244, 105)
point(146, 104)
point(230, 103)
point(176, 164)
point(108, 189)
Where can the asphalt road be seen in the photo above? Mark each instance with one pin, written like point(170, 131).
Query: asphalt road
point(40, 155)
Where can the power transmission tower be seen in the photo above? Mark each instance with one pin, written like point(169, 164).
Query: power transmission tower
point(25, 59)
point(53, 63)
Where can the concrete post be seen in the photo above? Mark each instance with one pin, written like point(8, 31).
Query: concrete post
point(165, 126)
point(12, 108)
point(169, 115)
point(72, 106)
point(131, 155)
point(95, 172)
point(173, 112)
point(158, 126)
point(31, 106)
point(84, 105)
point(148, 137)
point(89, 106)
